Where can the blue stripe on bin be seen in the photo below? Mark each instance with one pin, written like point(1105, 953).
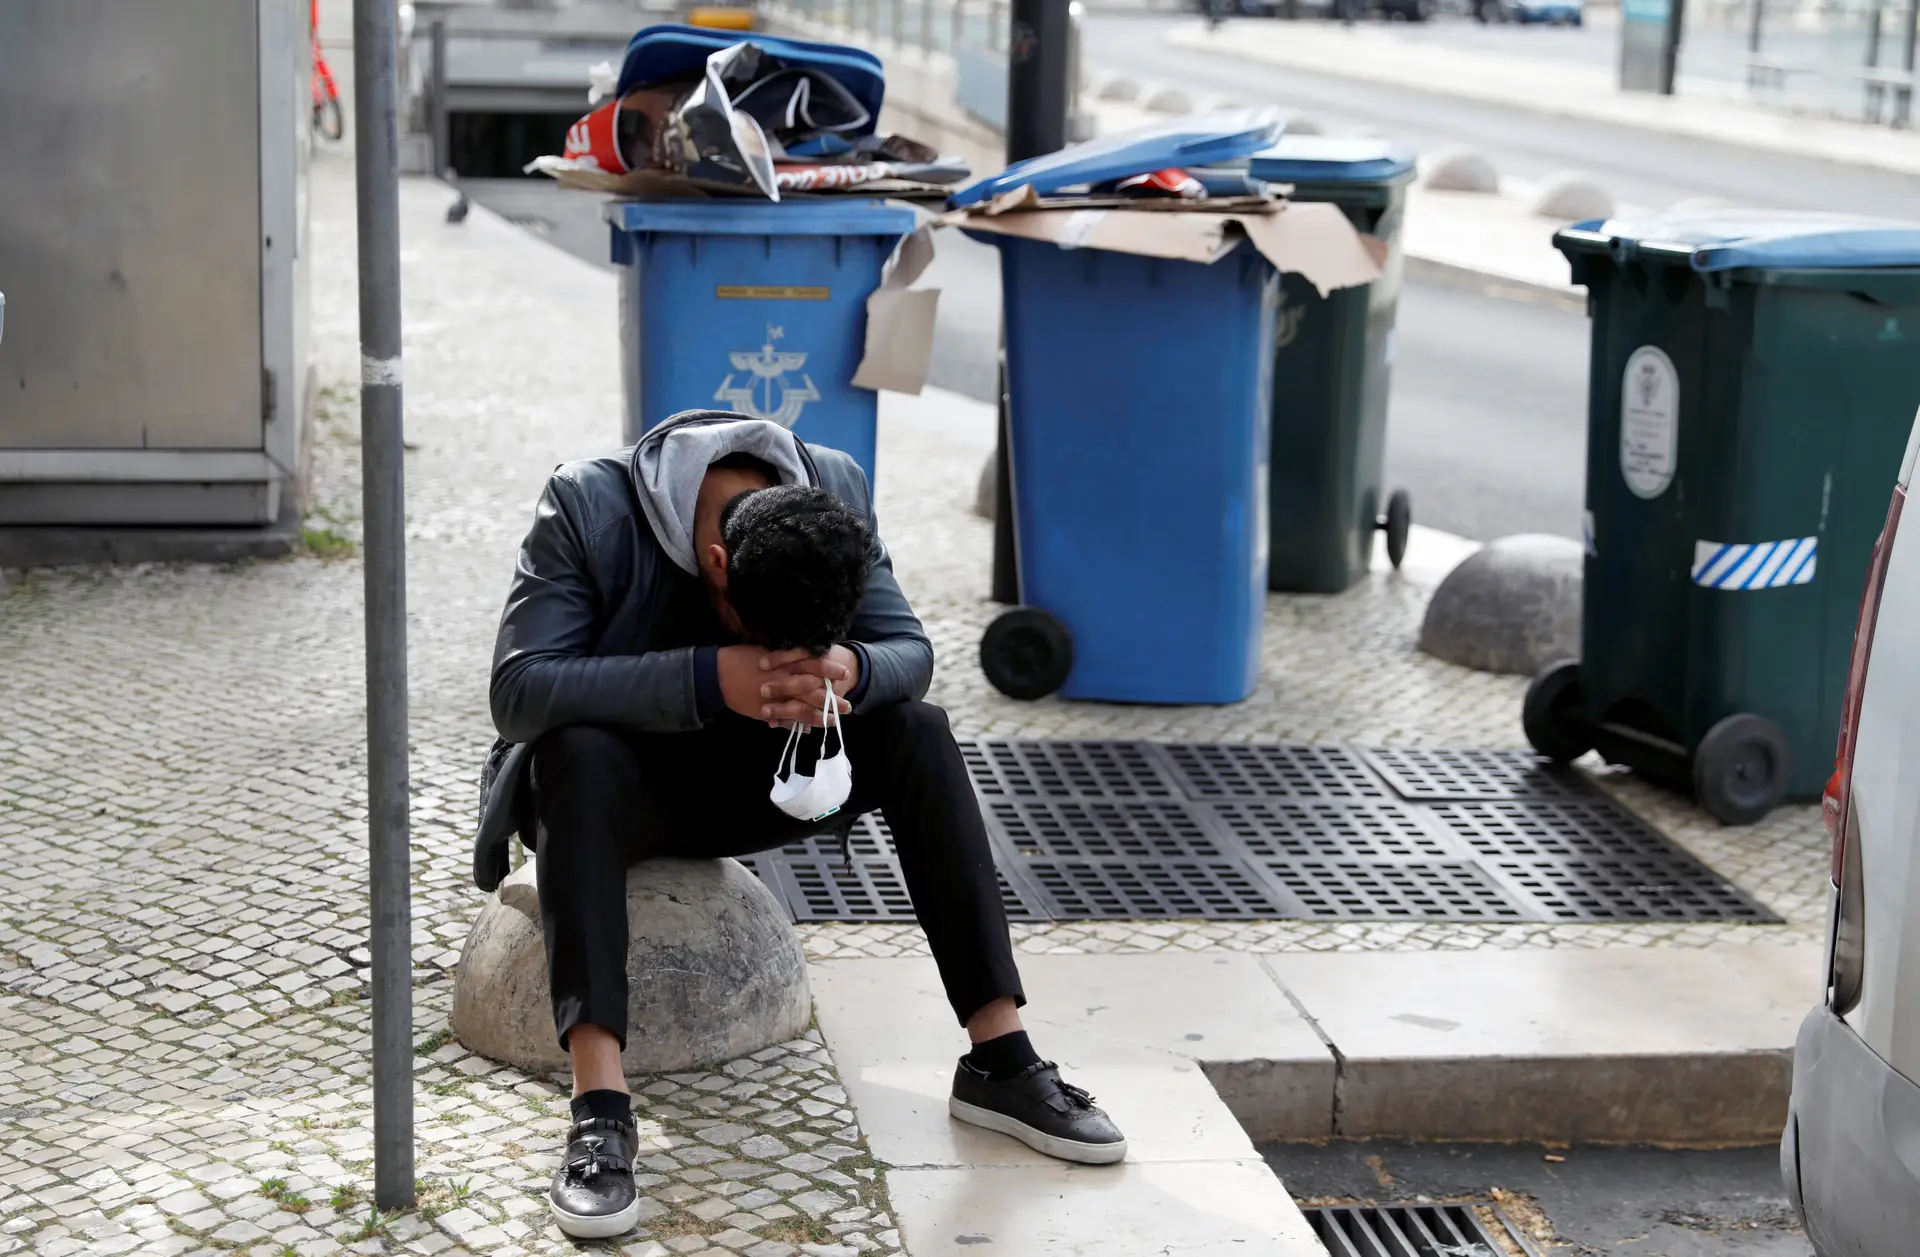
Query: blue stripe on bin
point(1755, 564)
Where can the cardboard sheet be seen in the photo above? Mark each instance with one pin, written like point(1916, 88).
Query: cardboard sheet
point(1312, 240)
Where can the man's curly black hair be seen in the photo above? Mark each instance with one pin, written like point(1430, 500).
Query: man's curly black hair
point(797, 563)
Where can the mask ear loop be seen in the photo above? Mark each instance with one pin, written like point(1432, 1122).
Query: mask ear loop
point(784, 768)
point(830, 718)
point(830, 723)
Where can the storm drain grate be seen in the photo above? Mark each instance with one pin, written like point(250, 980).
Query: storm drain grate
point(818, 882)
point(1654, 886)
point(1144, 831)
point(1590, 828)
point(1102, 770)
point(1104, 831)
point(1138, 890)
point(1230, 770)
point(1453, 1230)
point(1298, 829)
point(1426, 890)
point(1429, 775)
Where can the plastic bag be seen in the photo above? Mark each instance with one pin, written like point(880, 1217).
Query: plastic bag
point(708, 139)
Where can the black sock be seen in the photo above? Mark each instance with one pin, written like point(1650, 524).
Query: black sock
point(615, 1106)
point(1002, 1058)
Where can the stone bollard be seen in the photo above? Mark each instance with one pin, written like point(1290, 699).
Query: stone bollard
point(984, 492)
point(1459, 170)
point(1571, 197)
point(714, 971)
point(1512, 606)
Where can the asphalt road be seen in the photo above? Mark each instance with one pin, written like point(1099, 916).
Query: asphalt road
point(1641, 168)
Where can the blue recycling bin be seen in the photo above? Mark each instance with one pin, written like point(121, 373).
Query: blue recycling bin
point(754, 307)
point(1139, 393)
point(1139, 398)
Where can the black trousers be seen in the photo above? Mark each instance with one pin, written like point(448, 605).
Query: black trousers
point(605, 799)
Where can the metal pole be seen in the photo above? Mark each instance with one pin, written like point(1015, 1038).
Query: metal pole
point(389, 885)
point(1874, 93)
point(442, 126)
point(1670, 55)
point(1909, 31)
point(1039, 57)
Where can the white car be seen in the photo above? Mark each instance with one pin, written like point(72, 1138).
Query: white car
point(1851, 1151)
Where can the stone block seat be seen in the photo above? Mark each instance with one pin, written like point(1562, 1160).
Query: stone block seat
point(714, 971)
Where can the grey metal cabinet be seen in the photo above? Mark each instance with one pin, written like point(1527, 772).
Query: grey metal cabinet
point(153, 252)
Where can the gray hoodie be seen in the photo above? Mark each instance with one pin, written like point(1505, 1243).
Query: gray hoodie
point(671, 461)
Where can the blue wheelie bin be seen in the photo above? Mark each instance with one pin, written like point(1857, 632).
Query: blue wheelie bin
point(1138, 401)
point(754, 307)
point(750, 305)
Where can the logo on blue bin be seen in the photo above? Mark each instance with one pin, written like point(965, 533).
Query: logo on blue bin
point(758, 385)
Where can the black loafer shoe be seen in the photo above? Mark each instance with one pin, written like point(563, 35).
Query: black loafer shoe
point(592, 1194)
point(1040, 1110)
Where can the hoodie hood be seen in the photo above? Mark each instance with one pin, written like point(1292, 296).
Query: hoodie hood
point(671, 461)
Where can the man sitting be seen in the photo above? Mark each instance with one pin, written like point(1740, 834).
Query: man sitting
point(682, 610)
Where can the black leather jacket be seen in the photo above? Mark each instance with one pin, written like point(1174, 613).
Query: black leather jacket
point(601, 627)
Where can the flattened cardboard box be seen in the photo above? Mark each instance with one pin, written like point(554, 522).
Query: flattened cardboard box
point(1313, 240)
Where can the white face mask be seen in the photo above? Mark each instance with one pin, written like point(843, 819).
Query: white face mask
point(821, 795)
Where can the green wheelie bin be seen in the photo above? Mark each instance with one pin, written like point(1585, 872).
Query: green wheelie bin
point(1333, 359)
point(1754, 376)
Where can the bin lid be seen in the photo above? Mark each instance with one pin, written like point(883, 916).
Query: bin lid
point(661, 53)
point(1195, 140)
point(750, 216)
point(1726, 239)
point(1332, 159)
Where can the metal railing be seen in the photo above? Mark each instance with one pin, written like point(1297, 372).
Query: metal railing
point(1844, 58)
point(974, 33)
point(943, 26)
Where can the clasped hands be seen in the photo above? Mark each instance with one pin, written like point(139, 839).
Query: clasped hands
point(787, 687)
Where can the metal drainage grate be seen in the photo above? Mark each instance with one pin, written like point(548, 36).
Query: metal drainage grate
point(1229, 770)
point(1430, 776)
point(1588, 828)
point(816, 881)
point(1428, 890)
point(1101, 770)
point(1297, 829)
point(1104, 831)
point(1652, 886)
point(1134, 830)
point(1136, 890)
point(1417, 1231)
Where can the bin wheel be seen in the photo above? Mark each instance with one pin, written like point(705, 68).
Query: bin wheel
point(1551, 713)
point(1026, 653)
point(1395, 523)
point(1740, 769)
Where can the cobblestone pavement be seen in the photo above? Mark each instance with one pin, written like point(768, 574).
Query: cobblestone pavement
point(183, 1025)
point(183, 1028)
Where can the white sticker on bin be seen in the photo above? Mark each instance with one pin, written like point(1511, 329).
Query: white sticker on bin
point(1755, 564)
